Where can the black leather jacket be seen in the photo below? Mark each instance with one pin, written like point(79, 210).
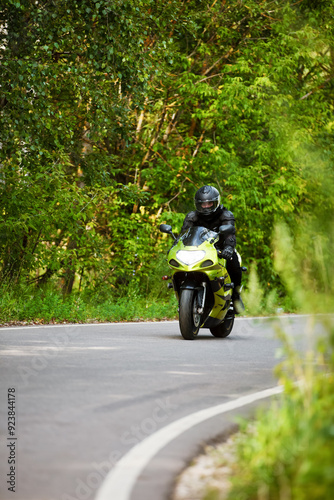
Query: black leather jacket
point(221, 217)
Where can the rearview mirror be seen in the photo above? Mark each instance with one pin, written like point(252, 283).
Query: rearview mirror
point(165, 228)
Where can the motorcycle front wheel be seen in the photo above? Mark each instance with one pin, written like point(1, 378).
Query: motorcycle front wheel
point(225, 328)
point(189, 318)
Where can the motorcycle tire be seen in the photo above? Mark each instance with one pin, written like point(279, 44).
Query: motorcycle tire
point(189, 319)
point(224, 329)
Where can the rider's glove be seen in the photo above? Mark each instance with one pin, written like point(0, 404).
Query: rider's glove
point(227, 253)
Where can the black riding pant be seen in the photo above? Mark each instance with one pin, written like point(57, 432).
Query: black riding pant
point(234, 270)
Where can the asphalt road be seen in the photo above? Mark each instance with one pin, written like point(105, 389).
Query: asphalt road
point(87, 395)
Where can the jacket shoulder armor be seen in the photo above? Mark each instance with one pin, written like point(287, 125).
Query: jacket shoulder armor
point(192, 217)
point(227, 216)
point(190, 220)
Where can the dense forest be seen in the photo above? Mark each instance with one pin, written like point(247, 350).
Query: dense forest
point(114, 112)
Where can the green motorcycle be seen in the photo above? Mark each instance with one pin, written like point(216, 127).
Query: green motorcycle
point(200, 281)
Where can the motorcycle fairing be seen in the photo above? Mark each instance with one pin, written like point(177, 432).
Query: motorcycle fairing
point(193, 275)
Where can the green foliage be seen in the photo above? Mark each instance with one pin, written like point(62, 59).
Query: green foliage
point(254, 294)
point(25, 305)
point(113, 114)
point(288, 452)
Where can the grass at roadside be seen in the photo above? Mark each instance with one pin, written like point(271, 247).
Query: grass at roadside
point(287, 453)
point(49, 306)
point(290, 453)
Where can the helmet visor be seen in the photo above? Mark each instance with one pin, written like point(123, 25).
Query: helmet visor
point(206, 206)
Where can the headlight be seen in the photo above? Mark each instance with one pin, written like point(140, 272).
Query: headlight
point(190, 256)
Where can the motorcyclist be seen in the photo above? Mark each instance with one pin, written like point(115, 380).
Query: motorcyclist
point(210, 214)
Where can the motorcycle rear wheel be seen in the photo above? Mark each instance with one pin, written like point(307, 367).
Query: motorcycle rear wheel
point(224, 329)
point(189, 319)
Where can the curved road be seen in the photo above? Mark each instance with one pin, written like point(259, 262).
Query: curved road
point(87, 396)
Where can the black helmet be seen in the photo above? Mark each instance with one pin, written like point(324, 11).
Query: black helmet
point(207, 200)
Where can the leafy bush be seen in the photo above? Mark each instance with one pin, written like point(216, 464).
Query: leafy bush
point(50, 306)
point(288, 452)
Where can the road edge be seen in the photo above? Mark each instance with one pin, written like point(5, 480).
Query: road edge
point(121, 480)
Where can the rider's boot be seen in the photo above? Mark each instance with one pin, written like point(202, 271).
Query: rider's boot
point(237, 300)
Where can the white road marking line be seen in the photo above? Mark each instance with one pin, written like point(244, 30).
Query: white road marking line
point(34, 350)
point(128, 323)
point(76, 325)
point(120, 481)
point(185, 373)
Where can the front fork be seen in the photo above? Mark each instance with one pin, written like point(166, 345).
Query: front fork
point(201, 293)
point(202, 296)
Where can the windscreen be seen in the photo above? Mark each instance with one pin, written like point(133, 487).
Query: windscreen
point(194, 236)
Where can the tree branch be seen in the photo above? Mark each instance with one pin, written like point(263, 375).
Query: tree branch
point(225, 56)
point(314, 90)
